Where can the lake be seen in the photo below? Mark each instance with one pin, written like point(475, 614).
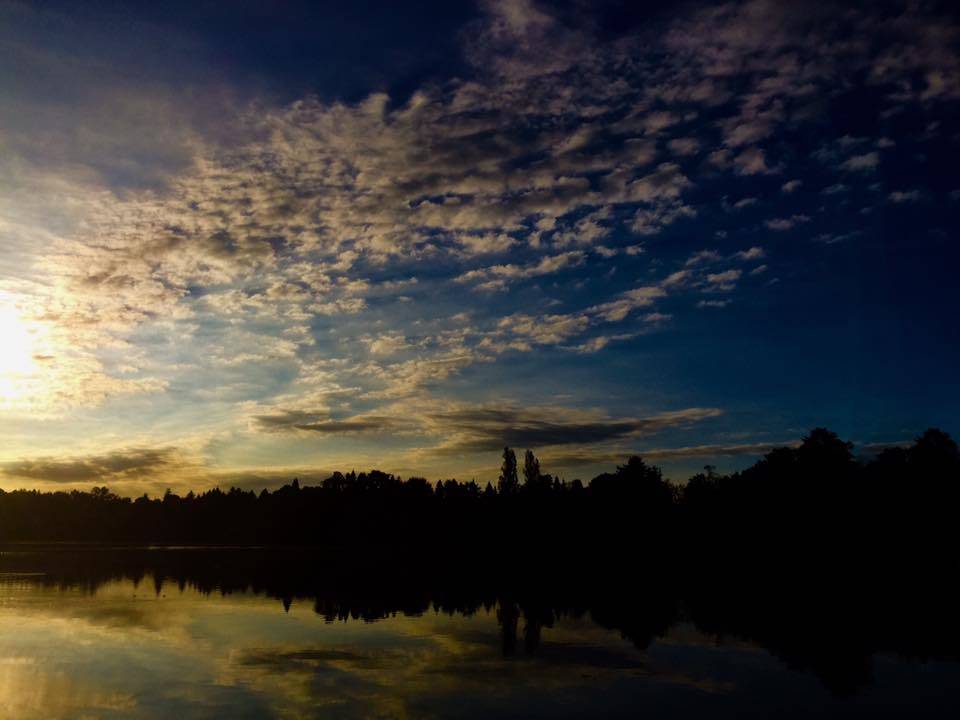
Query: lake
point(118, 633)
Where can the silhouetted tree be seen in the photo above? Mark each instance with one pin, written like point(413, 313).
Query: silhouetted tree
point(508, 481)
point(822, 450)
point(935, 456)
point(531, 468)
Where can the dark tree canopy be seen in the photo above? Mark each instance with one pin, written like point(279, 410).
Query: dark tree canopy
point(508, 481)
point(531, 468)
point(815, 499)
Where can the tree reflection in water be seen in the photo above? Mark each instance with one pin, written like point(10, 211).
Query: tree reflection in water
point(833, 628)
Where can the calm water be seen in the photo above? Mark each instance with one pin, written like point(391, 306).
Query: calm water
point(110, 647)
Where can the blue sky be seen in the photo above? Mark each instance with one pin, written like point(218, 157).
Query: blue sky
point(241, 242)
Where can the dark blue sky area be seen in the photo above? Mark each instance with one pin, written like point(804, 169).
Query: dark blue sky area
point(275, 236)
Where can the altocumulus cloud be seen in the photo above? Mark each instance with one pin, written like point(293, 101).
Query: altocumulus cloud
point(319, 268)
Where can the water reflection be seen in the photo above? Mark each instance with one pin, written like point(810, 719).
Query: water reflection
point(128, 633)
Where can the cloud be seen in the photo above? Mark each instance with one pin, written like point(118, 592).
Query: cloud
point(319, 422)
point(520, 331)
point(752, 449)
point(752, 161)
point(518, 39)
point(496, 277)
point(386, 344)
point(314, 195)
point(591, 456)
point(652, 221)
point(287, 420)
point(904, 196)
point(488, 429)
point(753, 253)
point(723, 281)
point(831, 238)
point(835, 189)
point(367, 424)
point(703, 257)
point(225, 262)
point(619, 308)
point(684, 147)
point(789, 223)
point(666, 183)
point(119, 465)
point(485, 243)
point(862, 163)
point(598, 343)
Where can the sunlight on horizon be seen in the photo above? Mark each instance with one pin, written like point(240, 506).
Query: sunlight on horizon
point(19, 343)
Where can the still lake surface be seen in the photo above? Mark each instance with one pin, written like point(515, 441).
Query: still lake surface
point(83, 642)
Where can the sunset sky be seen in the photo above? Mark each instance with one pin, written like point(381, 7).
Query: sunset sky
point(250, 240)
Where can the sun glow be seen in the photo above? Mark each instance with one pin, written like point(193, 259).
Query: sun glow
point(19, 339)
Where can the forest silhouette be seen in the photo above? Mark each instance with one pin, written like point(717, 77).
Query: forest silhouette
point(823, 559)
point(814, 498)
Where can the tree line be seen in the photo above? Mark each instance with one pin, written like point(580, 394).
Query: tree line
point(813, 496)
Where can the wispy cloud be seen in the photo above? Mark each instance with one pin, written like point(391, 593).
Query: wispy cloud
point(486, 429)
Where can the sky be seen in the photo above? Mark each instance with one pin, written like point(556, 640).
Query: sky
point(242, 242)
